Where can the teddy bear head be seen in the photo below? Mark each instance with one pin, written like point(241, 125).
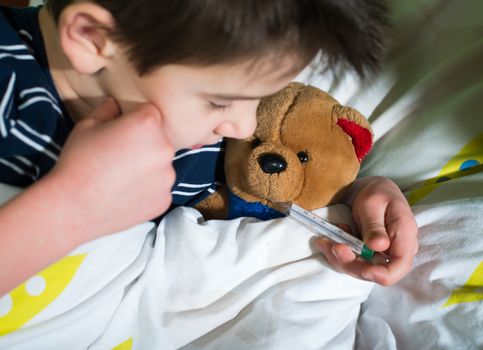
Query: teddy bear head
point(306, 149)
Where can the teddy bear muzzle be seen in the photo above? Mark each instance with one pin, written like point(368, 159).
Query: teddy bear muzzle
point(274, 173)
point(272, 163)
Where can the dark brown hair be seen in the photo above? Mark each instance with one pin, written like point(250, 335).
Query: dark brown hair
point(348, 33)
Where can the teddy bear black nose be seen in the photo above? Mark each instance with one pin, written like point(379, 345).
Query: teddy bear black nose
point(272, 163)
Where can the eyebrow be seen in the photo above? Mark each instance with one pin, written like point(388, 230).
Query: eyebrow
point(234, 97)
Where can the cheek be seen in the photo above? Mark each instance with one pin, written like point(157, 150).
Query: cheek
point(249, 113)
point(252, 108)
point(252, 115)
point(176, 111)
point(252, 126)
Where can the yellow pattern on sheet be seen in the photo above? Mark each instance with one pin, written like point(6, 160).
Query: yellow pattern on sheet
point(127, 345)
point(472, 290)
point(467, 161)
point(30, 298)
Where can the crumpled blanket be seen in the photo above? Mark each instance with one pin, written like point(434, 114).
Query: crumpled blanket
point(238, 284)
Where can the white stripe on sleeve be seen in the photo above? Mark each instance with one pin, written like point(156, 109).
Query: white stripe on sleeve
point(34, 144)
point(27, 162)
point(13, 47)
point(25, 33)
point(182, 193)
point(15, 168)
point(44, 137)
point(34, 90)
point(183, 184)
point(17, 57)
point(3, 105)
point(199, 150)
point(37, 99)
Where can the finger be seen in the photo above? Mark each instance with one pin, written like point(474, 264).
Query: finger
point(145, 124)
point(144, 117)
point(401, 252)
point(342, 258)
point(386, 274)
point(326, 247)
point(402, 229)
point(351, 264)
point(403, 249)
point(106, 111)
point(146, 111)
point(397, 268)
point(345, 261)
point(371, 220)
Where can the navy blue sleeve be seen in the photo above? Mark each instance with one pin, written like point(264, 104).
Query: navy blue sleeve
point(32, 125)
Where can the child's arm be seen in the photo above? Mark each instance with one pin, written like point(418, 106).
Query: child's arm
point(113, 173)
point(385, 220)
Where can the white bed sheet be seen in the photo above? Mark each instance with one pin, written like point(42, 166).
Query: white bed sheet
point(238, 284)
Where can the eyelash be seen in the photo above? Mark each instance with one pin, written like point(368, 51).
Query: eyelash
point(218, 107)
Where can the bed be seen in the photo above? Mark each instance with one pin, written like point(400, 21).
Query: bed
point(248, 284)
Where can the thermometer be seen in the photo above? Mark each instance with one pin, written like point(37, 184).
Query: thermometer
point(323, 228)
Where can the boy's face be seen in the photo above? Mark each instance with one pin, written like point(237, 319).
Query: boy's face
point(200, 105)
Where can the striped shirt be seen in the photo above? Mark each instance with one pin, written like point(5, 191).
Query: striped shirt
point(34, 123)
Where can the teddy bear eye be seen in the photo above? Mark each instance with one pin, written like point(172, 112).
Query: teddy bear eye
point(256, 142)
point(303, 156)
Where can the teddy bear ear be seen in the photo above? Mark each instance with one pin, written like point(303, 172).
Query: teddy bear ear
point(357, 127)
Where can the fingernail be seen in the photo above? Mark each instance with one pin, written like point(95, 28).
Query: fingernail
point(368, 276)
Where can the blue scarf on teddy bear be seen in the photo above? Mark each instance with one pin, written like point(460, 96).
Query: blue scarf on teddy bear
point(239, 207)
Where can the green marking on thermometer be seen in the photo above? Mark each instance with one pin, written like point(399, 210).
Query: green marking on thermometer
point(324, 228)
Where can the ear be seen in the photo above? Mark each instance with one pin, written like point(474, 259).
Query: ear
point(357, 127)
point(83, 30)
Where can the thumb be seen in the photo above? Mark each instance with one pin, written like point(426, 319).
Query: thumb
point(373, 230)
point(106, 111)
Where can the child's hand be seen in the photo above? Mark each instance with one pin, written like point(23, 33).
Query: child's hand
point(386, 222)
point(117, 169)
point(114, 172)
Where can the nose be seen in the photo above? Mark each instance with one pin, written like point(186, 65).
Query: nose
point(237, 129)
point(240, 122)
point(272, 163)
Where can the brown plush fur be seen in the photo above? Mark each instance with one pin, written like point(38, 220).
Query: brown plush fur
point(297, 119)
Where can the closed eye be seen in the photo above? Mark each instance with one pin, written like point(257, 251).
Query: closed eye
point(219, 107)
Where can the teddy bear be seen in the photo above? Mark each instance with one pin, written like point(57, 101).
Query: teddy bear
point(307, 149)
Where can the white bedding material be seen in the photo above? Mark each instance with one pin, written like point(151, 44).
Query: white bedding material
point(438, 305)
point(68, 305)
point(239, 284)
point(427, 116)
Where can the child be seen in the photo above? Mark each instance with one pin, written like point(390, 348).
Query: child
point(180, 75)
